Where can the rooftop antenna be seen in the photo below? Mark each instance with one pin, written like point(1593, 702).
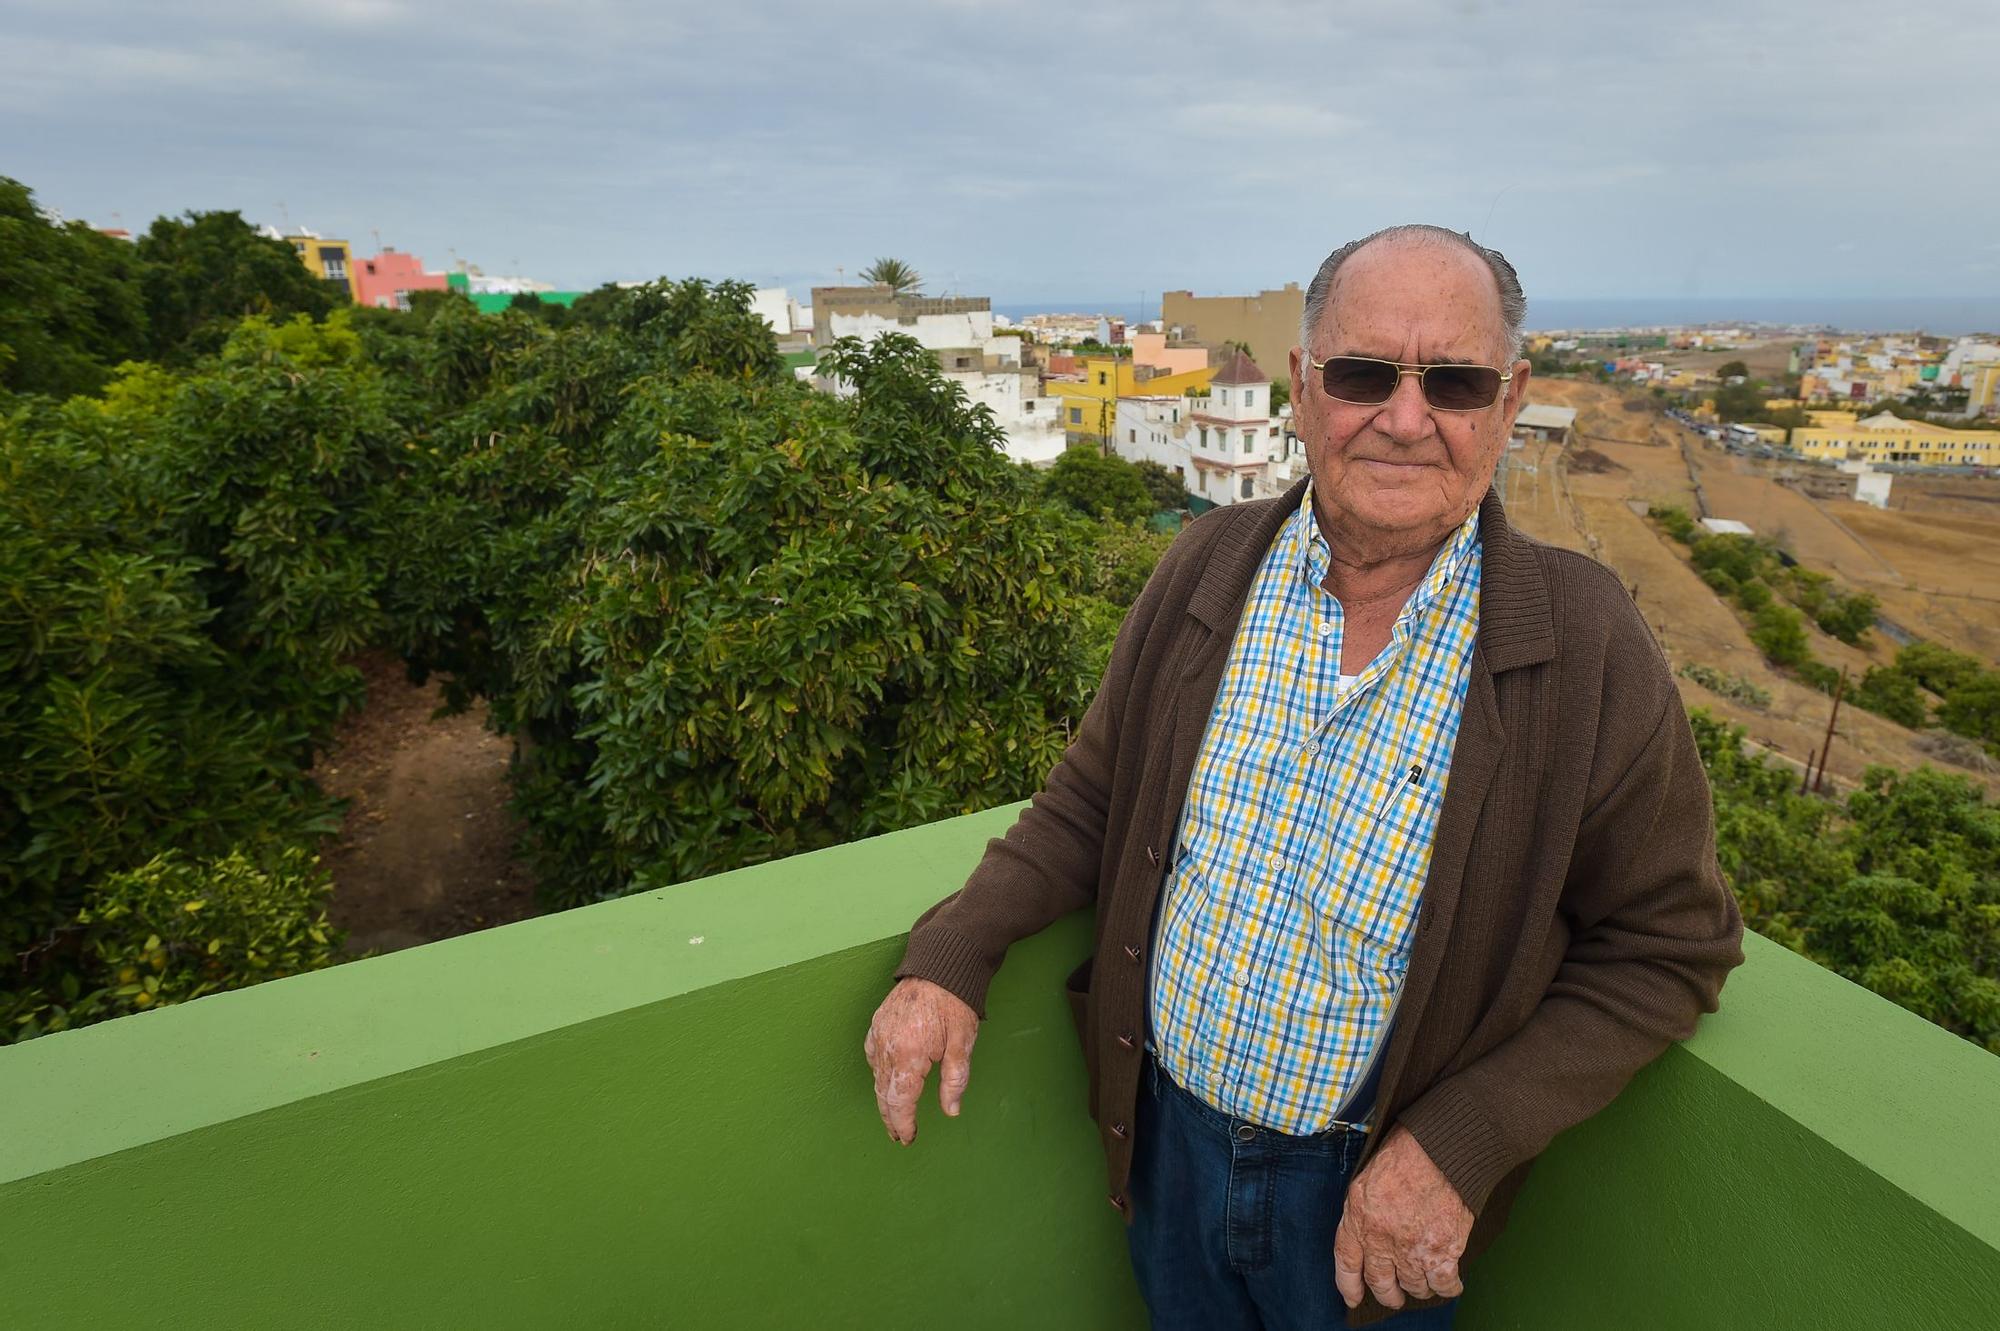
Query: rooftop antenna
point(376, 232)
point(285, 216)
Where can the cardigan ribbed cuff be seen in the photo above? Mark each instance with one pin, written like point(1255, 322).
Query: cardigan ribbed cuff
point(1461, 1141)
point(947, 959)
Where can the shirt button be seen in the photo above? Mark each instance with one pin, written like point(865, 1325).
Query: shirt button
point(1243, 976)
point(1312, 749)
point(1325, 629)
point(1277, 860)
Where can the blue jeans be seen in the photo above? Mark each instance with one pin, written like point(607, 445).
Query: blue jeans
point(1232, 1224)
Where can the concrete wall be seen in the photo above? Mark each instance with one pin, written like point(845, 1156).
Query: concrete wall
point(654, 1112)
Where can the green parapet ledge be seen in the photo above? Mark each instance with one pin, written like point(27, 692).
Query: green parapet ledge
point(654, 1112)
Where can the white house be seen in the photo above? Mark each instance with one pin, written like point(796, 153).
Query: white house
point(1226, 446)
point(775, 306)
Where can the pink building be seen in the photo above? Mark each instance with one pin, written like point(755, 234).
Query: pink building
point(387, 279)
point(1151, 349)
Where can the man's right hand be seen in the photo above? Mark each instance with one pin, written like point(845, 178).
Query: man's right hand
point(919, 1024)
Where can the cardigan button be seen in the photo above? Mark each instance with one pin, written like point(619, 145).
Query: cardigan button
point(1125, 1041)
point(1117, 1200)
point(1118, 1131)
point(1153, 855)
point(1131, 951)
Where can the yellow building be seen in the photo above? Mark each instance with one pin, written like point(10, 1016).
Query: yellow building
point(328, 260)
point(1887, 438)
point(1982, 386)
point(1088, 406)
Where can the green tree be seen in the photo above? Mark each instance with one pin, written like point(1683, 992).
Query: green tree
point(896, 275)
point(1733, 369)
point(1098, 485)
point(206, 271)
point(70, 301)
point(1164, 486)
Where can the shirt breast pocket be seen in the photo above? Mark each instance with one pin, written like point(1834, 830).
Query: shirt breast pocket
point(1369, 921)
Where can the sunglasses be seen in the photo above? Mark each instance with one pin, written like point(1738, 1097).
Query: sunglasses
point(1367, 382)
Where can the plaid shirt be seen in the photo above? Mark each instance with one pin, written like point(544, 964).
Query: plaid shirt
point(1285, 928)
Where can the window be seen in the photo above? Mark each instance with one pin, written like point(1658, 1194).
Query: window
point(1248, 440)
point(1100, 376)
point(333, 269)
point(1177, 416)
point(1204, 436)
point(1249, 399)
point(1076, 415)
point(1225, 397)
point(1028, 406)
point(1204, 482)
point(961, 362)
point(1248, 485)
point(1131, 436)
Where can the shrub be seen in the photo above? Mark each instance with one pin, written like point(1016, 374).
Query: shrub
point(1754, 595)
point(1972, 708)
point(1728, 685)
point(1849, 616)
point(1719, 581)
point(1780, 633)
point(1675, 522)
point(1741, 557)
point(176, 928)
point(1936, 668)
point(1891, 692)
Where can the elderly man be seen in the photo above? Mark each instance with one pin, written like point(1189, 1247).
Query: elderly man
point(1401, 854)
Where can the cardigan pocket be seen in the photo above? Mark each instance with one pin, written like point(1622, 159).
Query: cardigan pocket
point(1076, 990)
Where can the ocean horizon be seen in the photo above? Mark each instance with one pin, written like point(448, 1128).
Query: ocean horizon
point(1946, 316)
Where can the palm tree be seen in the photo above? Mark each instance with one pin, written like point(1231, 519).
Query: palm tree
point(896, 275)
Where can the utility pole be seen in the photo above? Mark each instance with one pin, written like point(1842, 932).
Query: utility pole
point(1833, 716)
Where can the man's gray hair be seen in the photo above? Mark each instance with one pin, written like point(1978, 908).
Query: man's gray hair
point(1513, 304)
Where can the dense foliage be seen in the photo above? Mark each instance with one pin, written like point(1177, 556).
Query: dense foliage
point(75, 303)
point(726, 617)
point(1898, 889)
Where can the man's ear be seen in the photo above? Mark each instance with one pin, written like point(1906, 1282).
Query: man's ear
point(1517, 389)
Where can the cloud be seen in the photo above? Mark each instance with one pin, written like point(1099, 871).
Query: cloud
point(1279, 119)
point(1051, 151)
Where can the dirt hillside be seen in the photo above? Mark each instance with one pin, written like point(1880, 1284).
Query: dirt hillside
point(1903, 556)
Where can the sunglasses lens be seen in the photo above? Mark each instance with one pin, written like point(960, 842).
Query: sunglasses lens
point(1461, 387)
point(1357, 379)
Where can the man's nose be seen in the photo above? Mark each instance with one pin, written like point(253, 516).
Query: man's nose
point(1406, 415)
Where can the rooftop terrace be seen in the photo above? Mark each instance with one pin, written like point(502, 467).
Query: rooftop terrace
point(655, 1112)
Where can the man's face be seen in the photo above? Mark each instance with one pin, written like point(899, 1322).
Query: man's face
point(1402, 473)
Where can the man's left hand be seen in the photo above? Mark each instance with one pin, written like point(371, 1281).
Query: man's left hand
point(1402, 1230)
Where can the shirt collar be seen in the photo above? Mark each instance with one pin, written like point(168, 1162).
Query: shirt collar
point(1312, 558)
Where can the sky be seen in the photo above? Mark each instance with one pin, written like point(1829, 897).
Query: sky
point(1066, 154)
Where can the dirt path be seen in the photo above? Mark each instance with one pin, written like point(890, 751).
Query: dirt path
point(427, 848)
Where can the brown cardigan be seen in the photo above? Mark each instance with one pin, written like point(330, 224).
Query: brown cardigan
point(1574, 920)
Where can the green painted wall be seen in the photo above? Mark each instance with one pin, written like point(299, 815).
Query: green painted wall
point(595, 1120)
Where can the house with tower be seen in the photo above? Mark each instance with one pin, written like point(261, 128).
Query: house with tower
point(1225, 443)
